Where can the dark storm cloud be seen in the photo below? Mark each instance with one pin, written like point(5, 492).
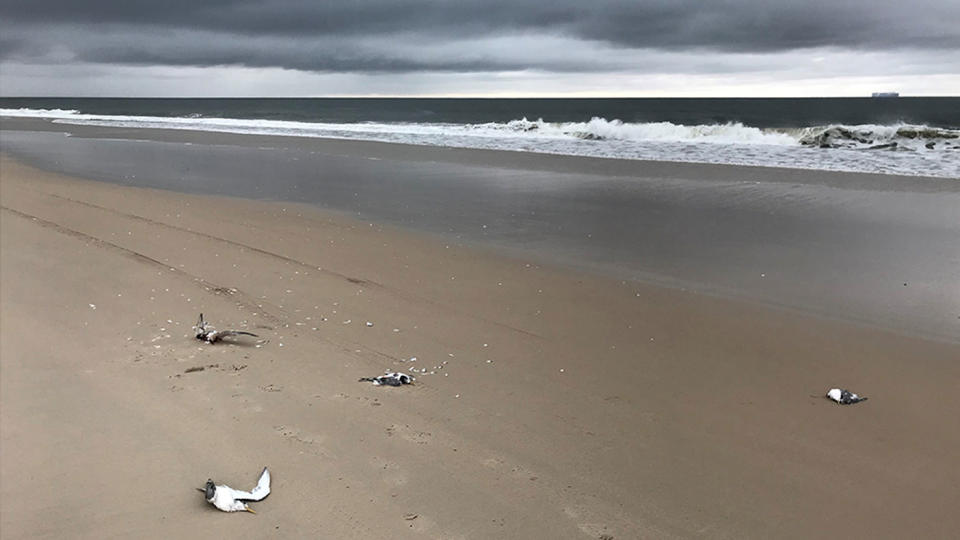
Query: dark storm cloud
point(452, 35)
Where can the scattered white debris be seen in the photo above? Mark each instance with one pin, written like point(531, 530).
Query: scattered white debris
point(93, 306)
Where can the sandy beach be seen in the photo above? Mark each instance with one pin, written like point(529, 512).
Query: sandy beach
point(549, 402)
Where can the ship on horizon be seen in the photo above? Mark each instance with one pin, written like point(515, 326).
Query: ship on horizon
point(886, 94)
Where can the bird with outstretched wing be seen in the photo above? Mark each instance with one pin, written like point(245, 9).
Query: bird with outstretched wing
point(206, 332)
point(233, 500)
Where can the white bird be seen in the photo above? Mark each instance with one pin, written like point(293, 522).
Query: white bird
point(233, 500)
point(844, 397)
point(207, 333)
point(390, 379)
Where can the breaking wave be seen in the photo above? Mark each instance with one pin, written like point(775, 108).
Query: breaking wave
point(873, 137)
point(832, 136)
point(39, 113)
point(601, 129)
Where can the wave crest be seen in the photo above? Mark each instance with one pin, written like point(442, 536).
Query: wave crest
point(39, 113)
point(601, 129)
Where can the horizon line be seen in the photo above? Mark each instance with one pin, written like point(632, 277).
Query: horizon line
point(490, 97)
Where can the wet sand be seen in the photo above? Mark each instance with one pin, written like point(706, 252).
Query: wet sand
point(562, 404)
point(877, 249)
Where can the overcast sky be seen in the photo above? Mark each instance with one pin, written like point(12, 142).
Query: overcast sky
point(479, 48)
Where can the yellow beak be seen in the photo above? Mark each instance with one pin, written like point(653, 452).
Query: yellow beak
point(250, 510)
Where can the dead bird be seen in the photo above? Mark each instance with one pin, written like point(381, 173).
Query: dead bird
point(206, 332)
point(390, 379)
point(233, 500)
point(844, 397)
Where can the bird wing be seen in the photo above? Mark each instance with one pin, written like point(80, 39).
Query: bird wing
point(258, 493)
point(228, 333)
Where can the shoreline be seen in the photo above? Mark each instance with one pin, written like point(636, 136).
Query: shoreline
point(506, 158)
point(606, 408)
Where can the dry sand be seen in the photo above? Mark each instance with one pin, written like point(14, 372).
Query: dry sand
point(567, 406)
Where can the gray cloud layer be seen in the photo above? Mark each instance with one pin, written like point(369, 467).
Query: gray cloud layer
point(455, 35)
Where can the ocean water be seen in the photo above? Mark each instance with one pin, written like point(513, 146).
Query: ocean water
point(907, 136)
